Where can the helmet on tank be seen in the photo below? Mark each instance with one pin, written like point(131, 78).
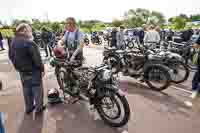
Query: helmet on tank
point(59, 52)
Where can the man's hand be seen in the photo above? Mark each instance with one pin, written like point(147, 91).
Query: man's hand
point(43, 74)
point(196, 46)
point(81, 43)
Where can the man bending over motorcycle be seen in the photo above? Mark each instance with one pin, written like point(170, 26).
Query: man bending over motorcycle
point(72, 41)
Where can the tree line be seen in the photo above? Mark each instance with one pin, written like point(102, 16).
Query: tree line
point(131, 19)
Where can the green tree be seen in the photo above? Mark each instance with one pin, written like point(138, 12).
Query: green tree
point(135, 18)
point(185, 17)
point(159, 18)
point(178, 23)
point(56, 27)
point(117, 23)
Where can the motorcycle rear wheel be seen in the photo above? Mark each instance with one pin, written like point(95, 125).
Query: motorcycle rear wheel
point(162, 72)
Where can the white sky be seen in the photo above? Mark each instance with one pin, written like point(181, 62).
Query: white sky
point(105, 10)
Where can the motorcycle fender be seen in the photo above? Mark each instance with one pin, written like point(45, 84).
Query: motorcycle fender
point(114, 88)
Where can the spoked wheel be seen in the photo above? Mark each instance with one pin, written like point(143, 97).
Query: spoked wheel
point(114, 110)
point(157, 77)
point(179, 71)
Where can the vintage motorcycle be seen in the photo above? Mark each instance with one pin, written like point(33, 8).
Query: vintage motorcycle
point(96, 85)
point(138, 65)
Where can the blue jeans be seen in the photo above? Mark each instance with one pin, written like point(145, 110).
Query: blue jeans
point(196, 80)
point(2, 130)
point(32, 90)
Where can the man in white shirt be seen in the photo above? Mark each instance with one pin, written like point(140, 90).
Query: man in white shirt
point(151, 37)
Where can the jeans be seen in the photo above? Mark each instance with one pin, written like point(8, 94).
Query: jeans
point(2, 129)
point(196, 80)
point(32, 90)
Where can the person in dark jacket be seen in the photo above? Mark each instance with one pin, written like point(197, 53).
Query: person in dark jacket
point(114, 38)
point(186, 35)
point(1, 42)
point(26, 59)
point(46, 37)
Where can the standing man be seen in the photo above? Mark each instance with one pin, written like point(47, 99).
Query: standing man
point(26, 59)
point(113, 42)
point(152, 37)
point(196, 78)
point(120, 38)
point(1, 42)
point(46, 37)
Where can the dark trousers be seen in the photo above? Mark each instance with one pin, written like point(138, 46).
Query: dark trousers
point(1, 44)
point(32, 90)
point(113, 43)
point(196, 80)
point(46, 48)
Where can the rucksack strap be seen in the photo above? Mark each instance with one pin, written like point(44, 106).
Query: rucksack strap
point(76, 41)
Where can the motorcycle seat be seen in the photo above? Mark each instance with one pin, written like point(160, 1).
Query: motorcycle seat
point(120, 51)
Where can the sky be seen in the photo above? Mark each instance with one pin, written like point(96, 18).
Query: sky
point(105, 10)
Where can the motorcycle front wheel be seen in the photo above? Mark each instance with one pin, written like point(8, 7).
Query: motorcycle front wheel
point(114, 110)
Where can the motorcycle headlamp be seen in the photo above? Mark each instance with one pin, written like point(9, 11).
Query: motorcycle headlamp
point(106, 75)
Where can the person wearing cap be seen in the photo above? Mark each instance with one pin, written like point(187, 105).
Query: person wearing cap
point(26, 58)
point(196, 78)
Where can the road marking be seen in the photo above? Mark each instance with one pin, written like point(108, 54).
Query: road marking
point(183, 90)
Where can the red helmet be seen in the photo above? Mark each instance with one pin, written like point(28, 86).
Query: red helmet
point(59, 52)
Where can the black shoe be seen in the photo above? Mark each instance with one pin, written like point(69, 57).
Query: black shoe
point(30, 111)
point(41, 110)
